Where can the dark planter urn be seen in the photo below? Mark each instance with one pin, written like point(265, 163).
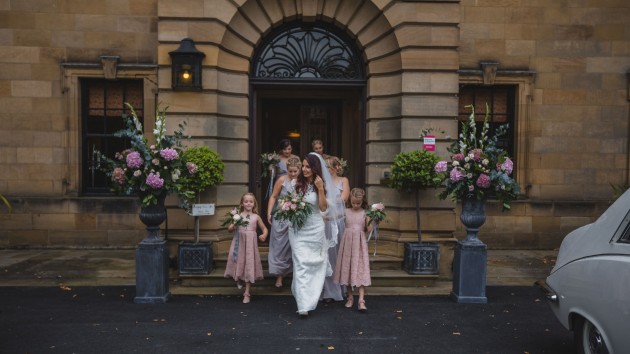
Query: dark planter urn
point(470, 259)
point(473, 216)
point(152, 260)
point(153, 216)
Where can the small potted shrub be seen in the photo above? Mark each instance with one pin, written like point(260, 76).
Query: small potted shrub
point(411, 172)
point(205, 170)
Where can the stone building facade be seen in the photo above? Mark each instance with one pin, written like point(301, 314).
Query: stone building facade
point(560, 68)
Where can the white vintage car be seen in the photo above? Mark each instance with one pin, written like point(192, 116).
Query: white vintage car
point(589, 286)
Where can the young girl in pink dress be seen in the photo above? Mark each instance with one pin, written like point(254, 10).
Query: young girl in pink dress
point(353, 262)
point(243, 262)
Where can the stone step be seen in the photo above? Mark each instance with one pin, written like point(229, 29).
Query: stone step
point(380, 278)
point(378, 262)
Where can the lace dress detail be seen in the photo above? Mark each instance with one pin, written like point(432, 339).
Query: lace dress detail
point(247, 266)
point(353, 261)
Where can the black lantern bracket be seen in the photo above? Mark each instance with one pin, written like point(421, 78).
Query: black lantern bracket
point(186, 66)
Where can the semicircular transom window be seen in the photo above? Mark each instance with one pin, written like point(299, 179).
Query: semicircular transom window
point(308, 53)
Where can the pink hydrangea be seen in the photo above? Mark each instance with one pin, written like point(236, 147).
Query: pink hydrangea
point(476, 154)
point(134, 160)
point(458, 157)
point(441, 166)
point(192, 168)
point(154, 181)
point(118, 175)
point(169, 154)
point(483, 181)
point(456, 175)
point(507, 166)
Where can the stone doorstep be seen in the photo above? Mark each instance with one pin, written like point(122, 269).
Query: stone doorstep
point(384, 282)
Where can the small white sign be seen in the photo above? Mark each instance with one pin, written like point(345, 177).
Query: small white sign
point(202, 209)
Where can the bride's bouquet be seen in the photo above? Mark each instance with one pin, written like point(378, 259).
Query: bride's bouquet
point(292, 208)
point(234, 217)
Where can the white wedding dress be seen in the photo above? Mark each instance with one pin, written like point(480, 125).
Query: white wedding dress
point(310, 257)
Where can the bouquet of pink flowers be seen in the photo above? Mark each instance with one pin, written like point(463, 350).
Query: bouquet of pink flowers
point(234, 217)
point(292, 208)
point(267, 160)
point(376, 213)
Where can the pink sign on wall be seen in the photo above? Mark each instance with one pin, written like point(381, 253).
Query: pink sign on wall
point(429, 142)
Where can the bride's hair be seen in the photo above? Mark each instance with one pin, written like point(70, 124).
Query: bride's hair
point(302, 182)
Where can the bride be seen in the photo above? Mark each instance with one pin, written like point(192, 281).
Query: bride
point(309, 244)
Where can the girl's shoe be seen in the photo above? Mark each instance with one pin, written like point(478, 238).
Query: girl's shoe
point(361, 307)
point(349, 302)
point(239, 285)
point(278, 283)
point(246, 298)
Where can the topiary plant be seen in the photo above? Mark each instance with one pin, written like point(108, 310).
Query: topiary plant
point(413, 171)
point(209, 172)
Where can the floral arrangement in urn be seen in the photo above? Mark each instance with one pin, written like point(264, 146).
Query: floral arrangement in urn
point(150, 170)
point(478, 168)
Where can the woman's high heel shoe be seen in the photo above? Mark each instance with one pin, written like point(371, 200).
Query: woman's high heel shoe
point(246, 298)
point(361, 307)
point(349, 302)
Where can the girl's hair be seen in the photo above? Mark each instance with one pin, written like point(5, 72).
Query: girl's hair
point(294, 162)
point(283, 144)
point(333, 161)
point(358, 193)
point(317, 141)
point(254, 209)
point(302, 183)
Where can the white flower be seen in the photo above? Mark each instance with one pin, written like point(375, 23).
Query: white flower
point(485, 162)
point(455, 163)
point(236, 217)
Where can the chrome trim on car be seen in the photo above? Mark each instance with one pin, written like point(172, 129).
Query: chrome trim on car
point(550, 294)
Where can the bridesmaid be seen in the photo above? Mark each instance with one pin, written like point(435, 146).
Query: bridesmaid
point(318, 147)
point(280, 259)
point(332, 290)
point(285, 150)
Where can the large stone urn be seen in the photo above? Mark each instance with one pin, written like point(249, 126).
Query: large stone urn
point(469, 264)
point(152, 257)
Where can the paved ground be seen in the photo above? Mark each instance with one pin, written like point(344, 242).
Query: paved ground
point(105, 320)
point(81, 301)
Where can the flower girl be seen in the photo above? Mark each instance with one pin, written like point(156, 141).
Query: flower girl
point(243, 262)
point(353, 263)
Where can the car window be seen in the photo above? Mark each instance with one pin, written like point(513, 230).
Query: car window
point(623, 232)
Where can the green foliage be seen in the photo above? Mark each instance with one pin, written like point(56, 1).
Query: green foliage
point(415, 170)
point(6, 202)
point(209, 170)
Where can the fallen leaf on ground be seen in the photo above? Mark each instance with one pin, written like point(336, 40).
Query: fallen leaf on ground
point(330, 347)
point(457, 334)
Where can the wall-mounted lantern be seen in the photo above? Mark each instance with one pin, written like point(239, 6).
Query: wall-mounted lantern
point(186, 66)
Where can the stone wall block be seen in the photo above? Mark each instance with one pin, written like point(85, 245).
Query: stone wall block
point(384, 129)
point(435, 59)
point(189, 102)
point(434, 106)
point(231, 62)
point(384, 107)
point(384, 85)
point(22, 55)
point(417, 82)
point(233, 105)
point(232, 127)
point(384, 46)
point(77, 238)
point(423, 12)
point(255, 14)
point(117, 221)
point(30, 238)
point(384, 65)
point(233, 82)
point(124, 238)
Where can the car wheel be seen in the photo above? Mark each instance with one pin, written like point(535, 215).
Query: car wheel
point(588, 338)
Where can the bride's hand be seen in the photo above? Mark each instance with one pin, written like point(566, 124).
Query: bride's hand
point(319, 183)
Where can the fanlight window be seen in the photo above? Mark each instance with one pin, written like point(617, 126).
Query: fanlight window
point(307, 53)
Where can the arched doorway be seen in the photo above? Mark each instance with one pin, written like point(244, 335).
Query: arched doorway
point(308, 82)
